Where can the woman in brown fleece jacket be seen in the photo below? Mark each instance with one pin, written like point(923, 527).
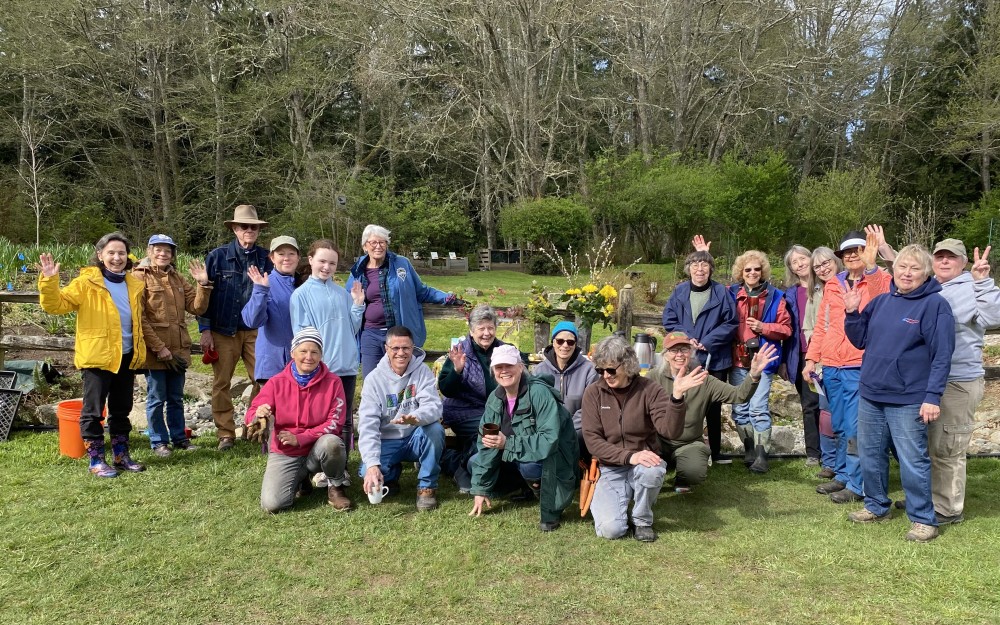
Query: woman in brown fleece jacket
point(622, 415)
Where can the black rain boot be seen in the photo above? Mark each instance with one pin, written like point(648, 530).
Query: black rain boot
point(763, 440)
point(747, 436)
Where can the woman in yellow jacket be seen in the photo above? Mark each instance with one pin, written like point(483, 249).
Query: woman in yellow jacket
point(109, 344)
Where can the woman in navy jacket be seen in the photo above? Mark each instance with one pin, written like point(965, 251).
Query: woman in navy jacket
point(703, 310)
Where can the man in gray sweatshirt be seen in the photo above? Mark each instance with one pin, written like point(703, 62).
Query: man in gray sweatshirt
point(975, 302)
point(399, 420)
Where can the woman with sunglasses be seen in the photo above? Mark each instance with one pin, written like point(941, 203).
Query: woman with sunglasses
point(572, 373)
point(841, 361)
point(623, 415)
point(763, 320)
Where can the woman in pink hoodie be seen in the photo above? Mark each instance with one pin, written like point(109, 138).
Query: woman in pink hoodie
point(304, 408)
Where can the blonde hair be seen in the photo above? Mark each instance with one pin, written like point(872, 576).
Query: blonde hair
point(920, 254)
point(744, 258)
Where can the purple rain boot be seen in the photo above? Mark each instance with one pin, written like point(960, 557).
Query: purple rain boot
point(123, 461)
point(98, 465)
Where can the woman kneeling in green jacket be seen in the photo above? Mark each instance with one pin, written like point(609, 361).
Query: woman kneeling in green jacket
point(527, 436)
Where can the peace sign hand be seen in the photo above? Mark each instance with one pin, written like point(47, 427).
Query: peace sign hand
point(852, 298)
point(980, 264)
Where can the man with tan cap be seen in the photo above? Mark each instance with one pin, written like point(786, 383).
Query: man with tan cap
point(225, 338)
point(975, 302)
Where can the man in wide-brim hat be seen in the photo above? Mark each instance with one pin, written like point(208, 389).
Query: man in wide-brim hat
point(225, 339)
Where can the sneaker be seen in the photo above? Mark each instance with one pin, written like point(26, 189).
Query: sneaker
point(645, 534)
point(226, 443)
point(920, 533)
point(337, 498)
point(830, 487)
point(185, 445)
point(813, 462)
point(944, 519)
point(720, 459)
point(549, 526)
point(845, 495)
point(320, 480)
point(826, 473)
point(426, 499)
point(683, 490)
point(865, 515)
point(161, 451)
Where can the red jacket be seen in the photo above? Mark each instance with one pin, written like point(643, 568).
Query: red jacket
point(318, 408)
point(829, 345)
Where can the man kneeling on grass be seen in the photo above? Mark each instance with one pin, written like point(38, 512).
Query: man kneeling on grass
point(399, 420)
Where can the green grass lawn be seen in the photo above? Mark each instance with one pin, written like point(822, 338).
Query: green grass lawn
point(185, 542)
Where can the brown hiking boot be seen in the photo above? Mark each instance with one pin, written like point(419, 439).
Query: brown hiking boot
point(337, 498)
point(826, 474)
point(920, 533)
point(865, 515)
point(426, 499)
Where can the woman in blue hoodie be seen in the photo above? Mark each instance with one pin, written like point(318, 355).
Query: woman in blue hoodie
point(908, 335)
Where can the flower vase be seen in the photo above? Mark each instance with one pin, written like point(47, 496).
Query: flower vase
point(583, 328)
point(542, 329)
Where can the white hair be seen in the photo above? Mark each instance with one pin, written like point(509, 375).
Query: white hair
point(371, 230)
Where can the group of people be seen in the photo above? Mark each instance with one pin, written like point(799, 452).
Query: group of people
point(884, 361)
point(872, 354)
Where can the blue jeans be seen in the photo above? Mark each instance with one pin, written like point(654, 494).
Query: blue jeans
point(424, 446)
point(878, 425)
point(165, 394)
point(467, 435)
point(757, 411)
point(372, 345)
point(841, 384)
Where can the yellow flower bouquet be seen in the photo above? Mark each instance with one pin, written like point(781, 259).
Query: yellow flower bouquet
point(591, 304)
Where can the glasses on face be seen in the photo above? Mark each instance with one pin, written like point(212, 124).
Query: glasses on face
point(701, 264)
point(612, 371)
point(253, 227)
point(852, 251)
point(570, 342)
point(823, 265)
point(679, 350)
point(401, 350)
point(374, 243)
point(751, 270)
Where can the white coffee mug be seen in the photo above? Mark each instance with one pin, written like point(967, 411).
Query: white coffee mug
point(376, 495)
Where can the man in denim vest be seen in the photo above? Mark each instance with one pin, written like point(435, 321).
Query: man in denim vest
point(224, 337)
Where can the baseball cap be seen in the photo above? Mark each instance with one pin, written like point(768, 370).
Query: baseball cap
point(277, 242)
point(161, 239)
point(505, 355)
point(954, 246)
point(676, 338)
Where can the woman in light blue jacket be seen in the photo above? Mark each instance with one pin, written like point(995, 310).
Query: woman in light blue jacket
point(323, 304)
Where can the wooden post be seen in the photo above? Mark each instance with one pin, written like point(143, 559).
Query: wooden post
point(625, 307)
point(542, 329)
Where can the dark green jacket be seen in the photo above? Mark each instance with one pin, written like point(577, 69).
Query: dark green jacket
point(542, 431)
point(698, 399)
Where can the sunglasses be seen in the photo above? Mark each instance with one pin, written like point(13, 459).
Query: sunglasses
point(248, 226)
point(570, 342)
point(751, 270)
point(612, 371)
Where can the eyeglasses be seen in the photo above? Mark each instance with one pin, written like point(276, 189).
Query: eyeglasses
point(679, 350)
point(823, 265)
point(400, 350)
point(612, 371)
point(751, 270)
point(852, 251)
point(374, 243)
point(570, 342)
point(248, 226)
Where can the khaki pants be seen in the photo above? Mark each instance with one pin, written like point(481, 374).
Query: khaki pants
point(948, 440)
point(231, 349)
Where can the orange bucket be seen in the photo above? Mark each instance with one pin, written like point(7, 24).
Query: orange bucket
point(70, 440)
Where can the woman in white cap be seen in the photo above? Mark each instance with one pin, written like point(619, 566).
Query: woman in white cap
point(305, 409)
point(841, 361)
point(527, 438)
point(269, 308)
point(168, 345)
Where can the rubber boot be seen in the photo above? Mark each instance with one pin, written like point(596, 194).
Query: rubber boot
point(762, 442)
point(98, 465)
point(122, 460)
point(747, 436)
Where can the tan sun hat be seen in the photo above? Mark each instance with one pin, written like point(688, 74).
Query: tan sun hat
point(245, 214)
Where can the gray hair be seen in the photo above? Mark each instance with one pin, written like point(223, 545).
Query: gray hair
point(615, 350)
point(482, 313)
point(821, 254)
point(919, 253)
point(371, 230)
point(699, 256)
point(790, 278)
